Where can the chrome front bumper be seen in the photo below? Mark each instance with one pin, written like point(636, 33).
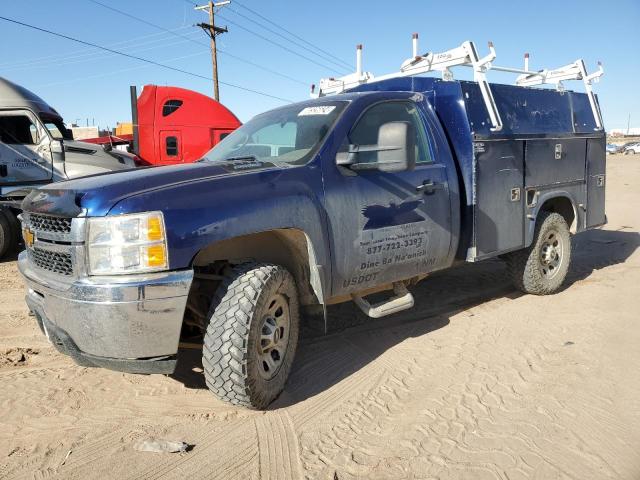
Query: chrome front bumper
point(111, 318)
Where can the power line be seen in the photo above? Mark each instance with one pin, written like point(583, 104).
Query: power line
point(86, 51)
point(340, 64)
point(141, 59)
point(142, 20)
point(96, 55)
point(346, 64)
point(111, 72)
point(269, 40)
point(284, 47)
point(266, 69)
point(293, 34)
point(197, 42)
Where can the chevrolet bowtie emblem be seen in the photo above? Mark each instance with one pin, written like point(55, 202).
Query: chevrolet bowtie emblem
point(28, 236)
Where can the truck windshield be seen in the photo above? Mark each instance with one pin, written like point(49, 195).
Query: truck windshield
point(289, 134)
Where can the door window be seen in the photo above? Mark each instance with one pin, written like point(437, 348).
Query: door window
point(24, 153)
point(171, 145)
point(365, 132)
point(18, 130)
point(170, 106)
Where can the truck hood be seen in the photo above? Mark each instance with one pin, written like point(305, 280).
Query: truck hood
point(95, 195)
point(97, 156)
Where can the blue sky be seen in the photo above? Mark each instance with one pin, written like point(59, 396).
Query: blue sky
point(85, 83)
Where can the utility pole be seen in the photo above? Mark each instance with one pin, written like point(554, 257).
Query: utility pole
point(213, 31)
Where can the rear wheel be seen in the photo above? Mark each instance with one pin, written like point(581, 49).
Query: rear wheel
point(252, 335)
point(542, 268)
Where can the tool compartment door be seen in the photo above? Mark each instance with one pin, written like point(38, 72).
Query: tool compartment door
point(499, 209)
point(596, 180)
point(551, 161)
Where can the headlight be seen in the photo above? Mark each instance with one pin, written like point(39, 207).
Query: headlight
point(127, 244)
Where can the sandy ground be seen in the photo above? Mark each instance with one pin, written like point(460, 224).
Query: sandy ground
point(477, 381)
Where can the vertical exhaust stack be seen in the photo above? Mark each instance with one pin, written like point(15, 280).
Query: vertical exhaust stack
point(526, 62)
point(135, 148)
point(415, 45)
point(359, 60)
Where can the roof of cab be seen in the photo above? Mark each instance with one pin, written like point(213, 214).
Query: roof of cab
point(16, 96)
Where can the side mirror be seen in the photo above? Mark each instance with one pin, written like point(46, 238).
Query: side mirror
point(395, 150)
point(397, 147)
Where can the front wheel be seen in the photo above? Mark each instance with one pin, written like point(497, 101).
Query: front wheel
point(542, 268)
point(252, 335)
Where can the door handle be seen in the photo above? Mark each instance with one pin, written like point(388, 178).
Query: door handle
point(428, 187)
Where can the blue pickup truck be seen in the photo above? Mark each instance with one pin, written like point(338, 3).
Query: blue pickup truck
point(362, 192)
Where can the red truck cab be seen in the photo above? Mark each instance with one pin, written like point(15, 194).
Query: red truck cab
point(176, 125)
point(172, 125)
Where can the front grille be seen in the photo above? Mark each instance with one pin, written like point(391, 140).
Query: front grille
point(47, 223)
point(53, 261)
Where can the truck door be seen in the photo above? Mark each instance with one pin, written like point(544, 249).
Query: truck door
point(170, 146)
point(25, 149)
point(387, 226)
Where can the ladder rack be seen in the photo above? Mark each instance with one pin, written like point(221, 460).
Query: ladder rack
point(466, 55)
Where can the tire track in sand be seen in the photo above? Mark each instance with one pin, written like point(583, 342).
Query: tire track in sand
point(220, 454)
point(278, 446)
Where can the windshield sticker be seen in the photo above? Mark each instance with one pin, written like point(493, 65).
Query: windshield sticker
point(319, 110)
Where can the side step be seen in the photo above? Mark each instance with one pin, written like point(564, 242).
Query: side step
point(402, 300)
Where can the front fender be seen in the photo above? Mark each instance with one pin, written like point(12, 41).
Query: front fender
point(200, 214)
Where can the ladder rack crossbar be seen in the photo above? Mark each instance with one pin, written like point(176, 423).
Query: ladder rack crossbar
point(466, 55)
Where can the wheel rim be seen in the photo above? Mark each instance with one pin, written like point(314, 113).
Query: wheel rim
point(274, 336)
point(551, 254)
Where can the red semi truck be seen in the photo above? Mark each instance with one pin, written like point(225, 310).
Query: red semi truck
point(173, 125)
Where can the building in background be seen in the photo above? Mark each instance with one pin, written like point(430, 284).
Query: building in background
point(80, 133)
point(624, 132)
point(123, 128)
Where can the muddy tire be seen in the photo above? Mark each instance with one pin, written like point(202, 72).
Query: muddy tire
point(542, 268)
point(8, 232)
point(252, 335)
